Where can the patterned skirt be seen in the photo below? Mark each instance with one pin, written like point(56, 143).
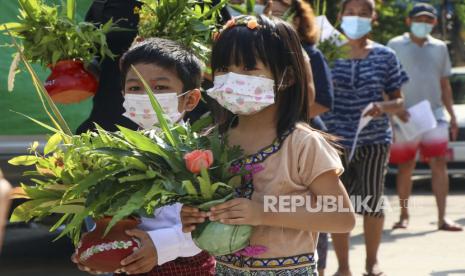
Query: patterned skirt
point(199, 265)
point(301, 265)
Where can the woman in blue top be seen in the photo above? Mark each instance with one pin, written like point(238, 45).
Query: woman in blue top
point(371, 75)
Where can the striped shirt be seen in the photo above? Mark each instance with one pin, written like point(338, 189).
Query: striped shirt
point(357, 83)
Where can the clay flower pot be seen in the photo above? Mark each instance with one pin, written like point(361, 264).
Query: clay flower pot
point(106, 253)
point(69, 82)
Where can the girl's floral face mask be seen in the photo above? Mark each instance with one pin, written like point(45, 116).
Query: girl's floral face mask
point(243, 94)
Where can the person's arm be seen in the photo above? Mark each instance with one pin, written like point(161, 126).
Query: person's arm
point(317, 109)
point(393, 106)
point(241, 211)
point(322, 79)
point(448, 102)
point(5, 201)
point(161, 245)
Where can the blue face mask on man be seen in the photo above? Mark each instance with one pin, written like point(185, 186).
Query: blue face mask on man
point(421, 30)
point(356, 27)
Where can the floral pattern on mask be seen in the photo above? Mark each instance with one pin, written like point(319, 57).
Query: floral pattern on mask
point(243, 94)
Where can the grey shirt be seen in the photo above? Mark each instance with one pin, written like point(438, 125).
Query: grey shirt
point(425, 67)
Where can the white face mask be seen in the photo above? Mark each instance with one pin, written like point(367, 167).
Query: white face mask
point(355, 27)
point(421, 30)
point(139, 109)
point(243, 94)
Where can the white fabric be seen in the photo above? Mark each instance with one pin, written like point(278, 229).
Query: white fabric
point(242, 94)
point(165, 230)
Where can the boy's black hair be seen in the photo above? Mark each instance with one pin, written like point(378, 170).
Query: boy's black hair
point(167, 54)
point(277, 46)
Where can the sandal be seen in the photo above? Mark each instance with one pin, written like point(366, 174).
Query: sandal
point(375, 274)
point(451, 227)
point(401, 224)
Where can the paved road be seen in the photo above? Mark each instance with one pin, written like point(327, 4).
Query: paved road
point(417, 251)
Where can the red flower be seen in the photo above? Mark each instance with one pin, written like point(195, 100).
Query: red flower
point(198, 160)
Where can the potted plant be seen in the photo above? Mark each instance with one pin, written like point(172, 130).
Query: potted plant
point(52, 37)
point(189, 22)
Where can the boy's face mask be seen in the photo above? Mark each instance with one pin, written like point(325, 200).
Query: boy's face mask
point(243, 94)
point(139, 109)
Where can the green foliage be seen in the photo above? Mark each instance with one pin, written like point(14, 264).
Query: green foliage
point(50, 33)
point(124, 173)
point(391, 20)
point(189, 22)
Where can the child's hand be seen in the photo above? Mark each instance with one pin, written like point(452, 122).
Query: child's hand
point(142, 260)
point(238, 211)
point(191, 216)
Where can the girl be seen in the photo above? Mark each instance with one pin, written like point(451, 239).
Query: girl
point(261, 82)
point(371, 75)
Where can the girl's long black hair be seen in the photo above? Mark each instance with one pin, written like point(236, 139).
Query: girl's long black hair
point(277, 46)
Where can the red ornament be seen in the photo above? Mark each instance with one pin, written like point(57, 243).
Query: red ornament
point(69, 82)
point(106, 253)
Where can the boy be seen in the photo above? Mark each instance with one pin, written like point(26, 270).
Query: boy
point(174, 75)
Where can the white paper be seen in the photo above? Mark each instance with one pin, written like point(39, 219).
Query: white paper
point(364, 120)
point(327, 31)
point(421, 120)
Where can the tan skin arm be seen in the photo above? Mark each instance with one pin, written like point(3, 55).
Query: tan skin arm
point(394, 105)
point(448, 102)
point(317, 109)
point(242, 211)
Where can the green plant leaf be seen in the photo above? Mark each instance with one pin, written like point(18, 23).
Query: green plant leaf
point(24, 160)
point(25, 211)
point(189, 187)
point(70, 9)
point(135, 202)
point(52, 143)
point(67, 209)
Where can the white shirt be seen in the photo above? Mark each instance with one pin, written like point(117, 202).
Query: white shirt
point(165, 230)
point(425, 66)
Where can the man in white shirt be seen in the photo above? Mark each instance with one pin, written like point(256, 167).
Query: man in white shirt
point(428, 66)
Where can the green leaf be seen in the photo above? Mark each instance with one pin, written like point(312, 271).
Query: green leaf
point(52, 143)
point(202, 123)
point(70, 9)
point(205, 184)
point(135, 177)
point(24, 160)
point(250, 4)
point(134, 203)
point(59, 222)
point(145, 144)
point(67, 209)
point(25, 211)
point(189, 187)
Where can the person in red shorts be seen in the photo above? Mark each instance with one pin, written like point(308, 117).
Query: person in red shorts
point(427, 63)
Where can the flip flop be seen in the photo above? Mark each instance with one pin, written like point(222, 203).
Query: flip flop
point(451, 227)
point(375, 274)
point(402, 224)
